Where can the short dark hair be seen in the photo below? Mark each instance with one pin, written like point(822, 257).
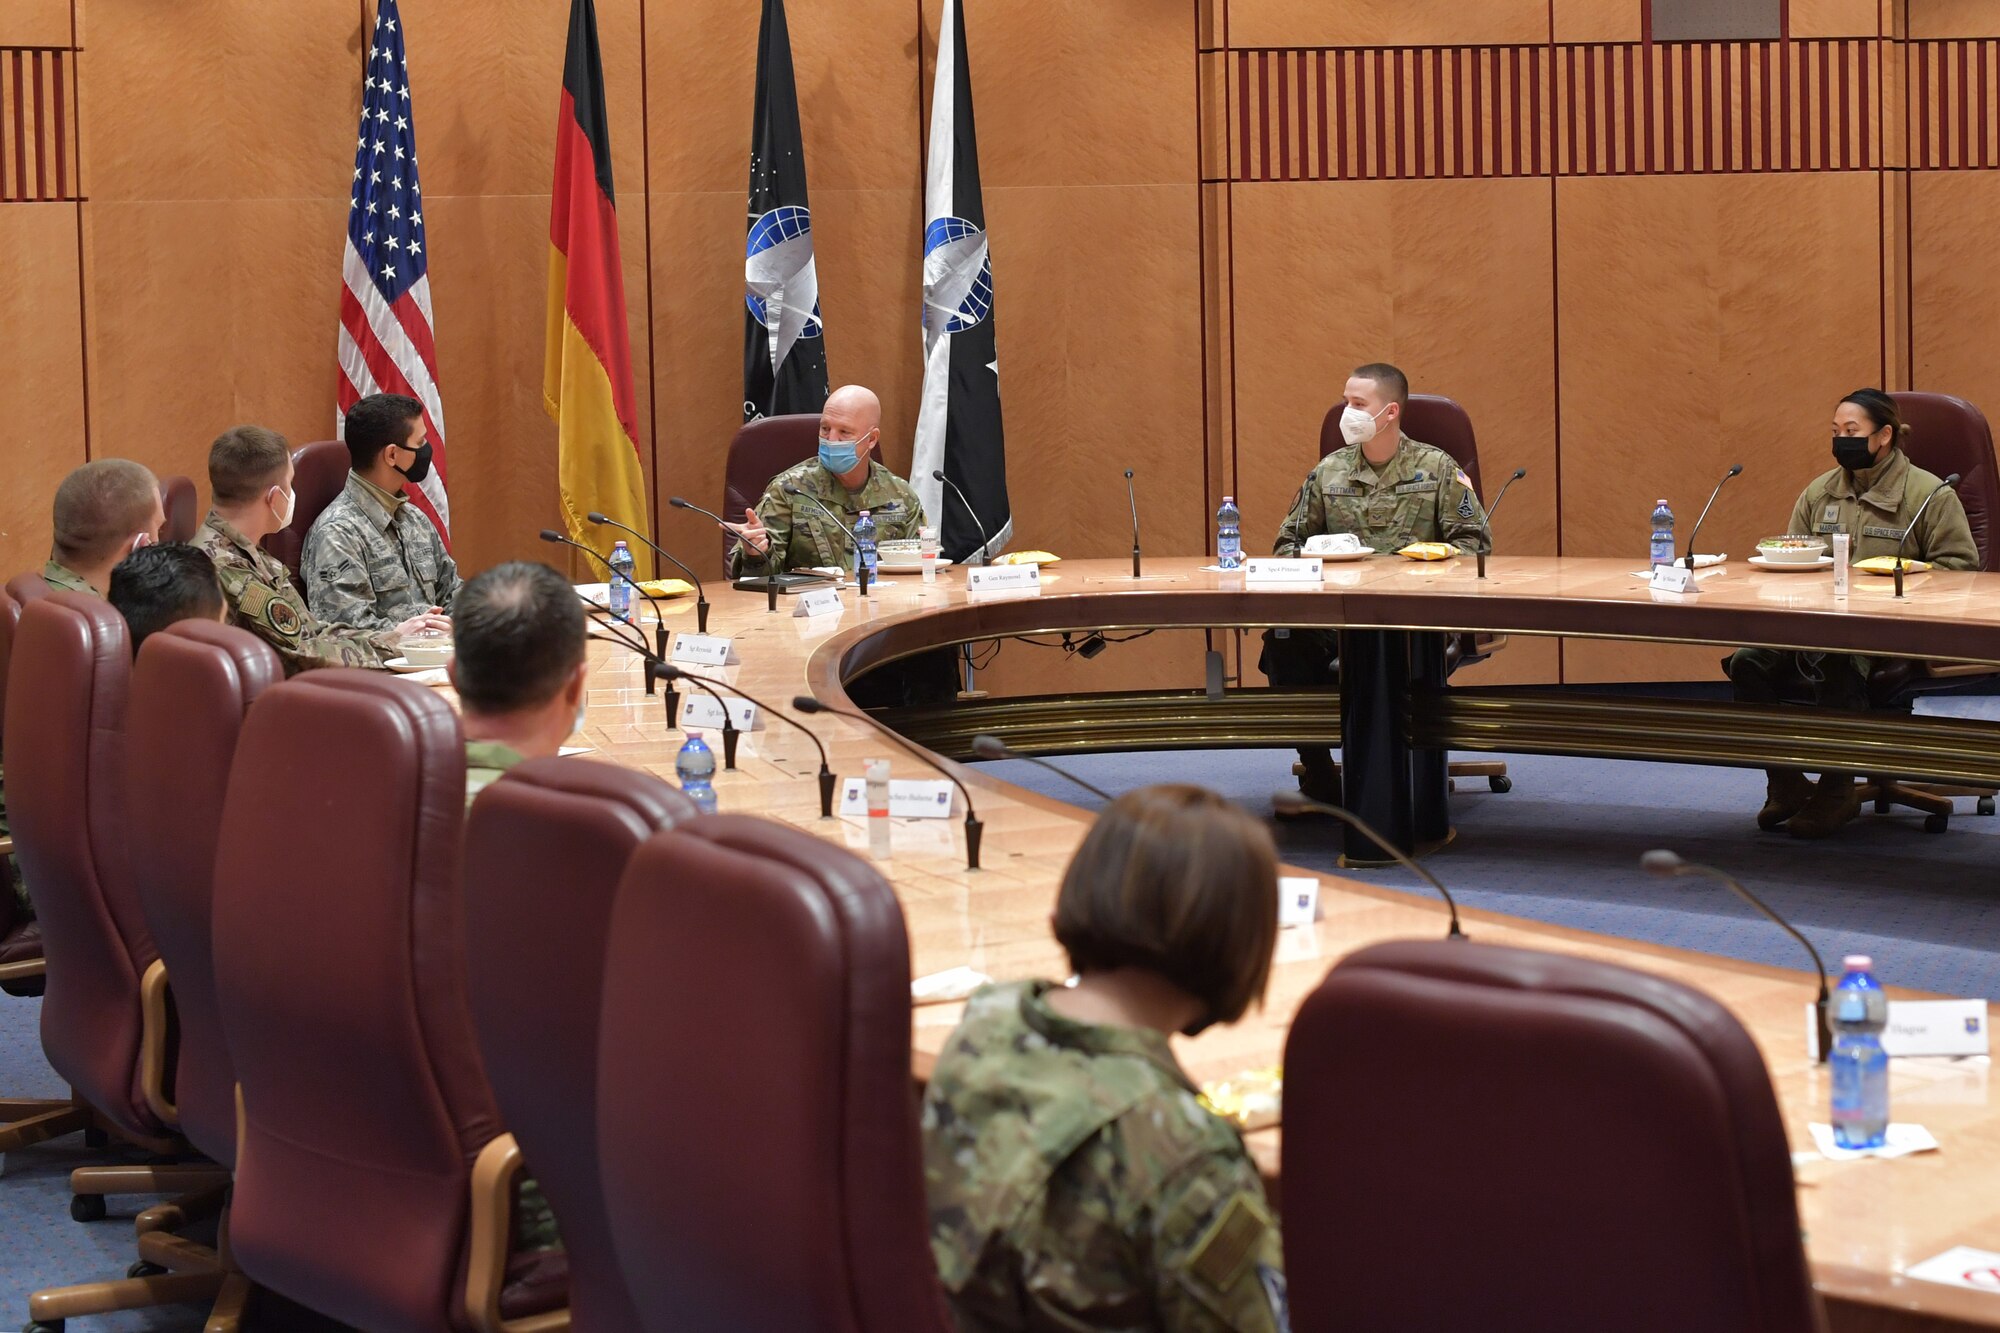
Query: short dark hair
point(519, 634)
point(157, 585)
point(1393, 382)
point(99, 507)
point(375, 423)
point(1881, 410)
point(246, 461)
point(1176, 880)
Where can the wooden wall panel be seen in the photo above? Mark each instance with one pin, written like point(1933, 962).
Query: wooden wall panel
point(1837, 18)
point(35, 23)
point(1953, 18)
point(1386, 22)
point(41, 376)
point(1598, 20)
point(1955, 284)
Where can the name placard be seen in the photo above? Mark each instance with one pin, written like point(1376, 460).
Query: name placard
point(997, 578)
point(700, 711)
point(702, 649)
point(1275, 569)
point(909, 798)
point(1298, 900)
point(818, 602)
point(1673, 578)
point(1925, 1027)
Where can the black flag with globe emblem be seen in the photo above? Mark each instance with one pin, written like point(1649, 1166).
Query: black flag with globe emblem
point(958, 422)
point(784, 354)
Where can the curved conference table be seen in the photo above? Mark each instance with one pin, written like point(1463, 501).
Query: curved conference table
point(1866, 1221)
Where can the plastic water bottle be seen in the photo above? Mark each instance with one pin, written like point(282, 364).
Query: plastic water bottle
point(864, 543)
point(695, 767)
point(1860, 1065)
point(1663, 534)
point(621, 581)
point(1229, 534)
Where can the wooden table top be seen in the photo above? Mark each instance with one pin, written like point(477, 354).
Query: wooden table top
point(1865, 1221)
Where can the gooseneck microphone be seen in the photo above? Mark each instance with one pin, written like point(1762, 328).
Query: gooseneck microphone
point(730, 732)
point(1519, 473)
point(1132, 497)
point(700, 593)
point(1669, 865)
point(853, 544)
point(660, 618)
point(1694, 532)
point(625, 636)
point(805, 703)
point(992, 747)
point(680, 502)
point(828, 779)
point(1904, 540)
point(770, 580)
point(985, 551)
point(1293, 802)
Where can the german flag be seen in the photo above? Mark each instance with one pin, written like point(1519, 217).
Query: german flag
point(587, 370)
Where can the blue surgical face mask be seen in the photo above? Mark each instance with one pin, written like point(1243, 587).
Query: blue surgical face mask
point(840, 457)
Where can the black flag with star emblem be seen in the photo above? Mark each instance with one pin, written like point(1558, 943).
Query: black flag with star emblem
point(784, 350)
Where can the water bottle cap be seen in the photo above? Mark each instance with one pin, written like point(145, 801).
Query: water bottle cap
point(1858, 962)
point(615, 545)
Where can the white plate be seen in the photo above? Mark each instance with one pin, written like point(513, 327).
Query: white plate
point(403, 666)
point(1792, 566)
point(912, 567)
point(1342, 557)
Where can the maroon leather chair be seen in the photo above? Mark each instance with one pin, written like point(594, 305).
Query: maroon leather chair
point(759, 451)
point(21, 966)
point(340, 974)
point(537, 993)
point(1617, 1115)
point(183, 508)
point(762, 1160)
point(28, 586)
point(319, 471)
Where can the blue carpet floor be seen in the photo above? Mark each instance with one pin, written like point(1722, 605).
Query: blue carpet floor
point(1562, 847)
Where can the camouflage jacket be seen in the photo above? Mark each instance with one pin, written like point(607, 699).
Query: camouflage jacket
point(802, 536)
point(1419, 495)
point(63, 579)
point(374, 560)
point(262, 600)
point(1075, 1182)
point(1874, 508)
point(485, 763)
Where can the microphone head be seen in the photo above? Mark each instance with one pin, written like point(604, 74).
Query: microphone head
point(1128, 474)
point(551, 535)
point(1952, 480)
point(1660, 861)
point(668, 671)
point(1736, 471)
point(677, 502)
point(805, 703)
point(1519, 473)
point(594, 516)
point(990, 747)
point(791, 488)
point(937, 474)
point(1292, 801)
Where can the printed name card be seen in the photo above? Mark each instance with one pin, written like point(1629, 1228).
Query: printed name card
point(909, 798)
point(999, 578)
point(1961, 1266)
point(1298, 900)
point(1925, 1027)
point(1272, 569)
point(1673, 578)
point(818, 602)
point(701, 712)
point(702, 649)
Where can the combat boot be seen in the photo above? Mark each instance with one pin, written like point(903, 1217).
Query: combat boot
point(1786, 791)
point(1835, 801)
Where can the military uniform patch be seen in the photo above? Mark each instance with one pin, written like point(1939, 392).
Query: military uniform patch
point(1224, 1251)
point(1465, 509)
point(282, 617)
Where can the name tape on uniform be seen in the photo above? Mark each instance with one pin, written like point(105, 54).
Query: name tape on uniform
point(1275, 569)
point(702, 649)
point(1298, 900)
point(999, 578)
point(818, 602)
point(909, 798)
point(700, 711)
point(1925, 1027)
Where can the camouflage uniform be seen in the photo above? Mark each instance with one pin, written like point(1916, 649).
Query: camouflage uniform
point(485, 761)
point(262, 600)
point(1075, 1182)
point(63, 579)
point(374, 560)
point(802, 536)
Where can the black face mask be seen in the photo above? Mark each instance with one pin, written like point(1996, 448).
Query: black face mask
point(1850, 451)
point(419, 469)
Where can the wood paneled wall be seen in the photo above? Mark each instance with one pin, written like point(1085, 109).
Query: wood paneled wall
point(1635, 262)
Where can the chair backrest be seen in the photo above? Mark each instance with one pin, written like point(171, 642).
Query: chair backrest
point(28, 586)
point(536, 967)
point(191, 686)
point(1432, 418)
point(759, 451)
point(319, 471)
point(183, 508)
point(67, 679)
point(759, 1122)
point(1948, 435)
point(10, 625)
point(340, 973)
point(1529, 1123)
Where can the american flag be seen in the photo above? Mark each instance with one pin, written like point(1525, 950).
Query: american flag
point(386, 342)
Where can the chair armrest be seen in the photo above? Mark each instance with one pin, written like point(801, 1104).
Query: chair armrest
point(7, 845)
point(495, 1174)
point(1959, 670)
point(155, 1022)
point(26, 970)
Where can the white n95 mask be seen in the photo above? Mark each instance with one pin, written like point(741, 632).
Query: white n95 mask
point(1356, 426)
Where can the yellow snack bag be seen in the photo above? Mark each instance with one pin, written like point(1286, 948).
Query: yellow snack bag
point(1428, 551)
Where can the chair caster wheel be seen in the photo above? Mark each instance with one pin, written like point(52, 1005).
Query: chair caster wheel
point(1985, 806)
point(87, 1207)
point(93, 1137)
point(1936, 823)
point(1501, 784)
point(37, 1326)
point(144, 1269)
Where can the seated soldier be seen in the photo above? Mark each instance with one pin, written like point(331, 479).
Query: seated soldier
point(250, 474)
point(518, 666)
point(1075, 1180)
point(103, 512)
point(156, 586)
point(1872, 493)
point(1387, 489)
point(373, 559)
